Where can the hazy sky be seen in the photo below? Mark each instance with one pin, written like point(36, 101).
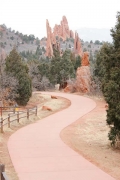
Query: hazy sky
point(29, 16)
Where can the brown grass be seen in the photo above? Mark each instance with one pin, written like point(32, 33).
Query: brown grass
point(89, 137)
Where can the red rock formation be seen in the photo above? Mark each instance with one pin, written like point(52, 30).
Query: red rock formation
point(67, 89)
point(83, 79)
point(49, 49)
point(85, 59)
point(83, 75)
point(60, 31)
point(53, 38)
point(77, 45)
point(57, 31)
point(71, 34)
point(65, 27)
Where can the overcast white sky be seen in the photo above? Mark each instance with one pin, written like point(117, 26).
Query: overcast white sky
point(29, 16)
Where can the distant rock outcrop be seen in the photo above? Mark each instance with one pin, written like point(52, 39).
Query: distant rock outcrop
point(83, 75)
point(59, 31)
point(71, 34)
point(77, 45)
point(62, 30)
point(49, 48)
point(85, 59)
point(83, 79)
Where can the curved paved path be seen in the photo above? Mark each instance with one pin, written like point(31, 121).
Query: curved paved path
point(38, 153)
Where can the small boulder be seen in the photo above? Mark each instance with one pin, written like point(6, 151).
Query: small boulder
point(53, 97)
point(46, 108)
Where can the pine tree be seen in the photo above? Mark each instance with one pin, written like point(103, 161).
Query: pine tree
point(77, 62)
point(67, 67)
point(61, 68)
point(113, 86)
point(108, 70)
point(19, 70)
point(55, 68)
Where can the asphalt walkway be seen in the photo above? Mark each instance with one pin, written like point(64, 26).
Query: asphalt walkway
point(38, 153)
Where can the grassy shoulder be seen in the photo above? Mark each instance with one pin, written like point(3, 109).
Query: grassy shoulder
point(89, 137)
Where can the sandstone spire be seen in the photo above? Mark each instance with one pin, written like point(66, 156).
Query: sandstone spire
point(66, 27)
point(83, 75)
point(71, 34)
point(61, 31)
point(77, 45)
point(49, 49)
point(85, 59)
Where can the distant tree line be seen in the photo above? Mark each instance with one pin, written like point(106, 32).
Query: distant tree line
point(23, 76)
point(30, 55)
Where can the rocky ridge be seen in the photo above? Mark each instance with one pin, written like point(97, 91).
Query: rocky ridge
point(63, 32)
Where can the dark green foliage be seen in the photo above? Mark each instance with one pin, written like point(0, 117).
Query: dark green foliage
point(77, 62)
point(19, 70)
point(69, 46)
point(37, 41)
point(29, 55)
point(43, 49)
point(12, 38)
point(89, 46)
point(97, 42)
point(2, 45)
point(44, 69)
point(108, 71)
point(24, 90)
point(1, 34)
point(55, 68)
point(91, 42)
point(72, 40)
point(26, 38)
point(61, 68)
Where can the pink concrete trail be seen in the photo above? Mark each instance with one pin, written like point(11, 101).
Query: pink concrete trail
point(38, 153)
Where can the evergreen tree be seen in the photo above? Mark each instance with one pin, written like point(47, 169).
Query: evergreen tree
point(113, 86)
point(43, 69)
point(61, 68)
point(19, 70)
point(77, 62)
point(108, 70)
point(55, 68)
point(67, 67)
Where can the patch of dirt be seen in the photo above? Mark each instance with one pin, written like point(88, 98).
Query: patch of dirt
point(89, 137)
point(39, 100)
